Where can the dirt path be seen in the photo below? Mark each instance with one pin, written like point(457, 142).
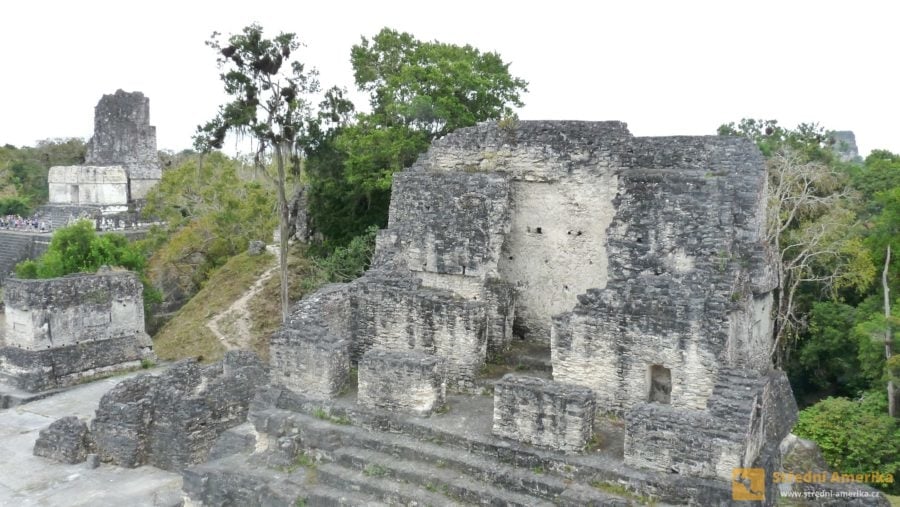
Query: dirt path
point(232, 327)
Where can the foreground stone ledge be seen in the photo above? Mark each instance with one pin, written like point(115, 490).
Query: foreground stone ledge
point(402, 381)
point(543, 413)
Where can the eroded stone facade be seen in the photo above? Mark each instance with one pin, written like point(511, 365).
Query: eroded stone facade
point(62, 330)
point(640, 263)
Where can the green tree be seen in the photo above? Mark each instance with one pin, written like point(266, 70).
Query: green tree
point(418, 91)
point(269, 89)
point(212, 211)
point(855, 436)
point(79, 249)
point(812, 224)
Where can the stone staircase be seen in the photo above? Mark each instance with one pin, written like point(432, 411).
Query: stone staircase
point(300, 451)
point(14, 247)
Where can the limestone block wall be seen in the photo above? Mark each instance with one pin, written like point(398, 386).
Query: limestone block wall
point(312, 361)
point(123, 136)
point(747, 416)
point(562, 181)
point(58, 312)
point(88, 185)
point(683, 248)
point(407, 381)
point(426, 320)
point(172, 420)
point(61, 330)
point(543, 413)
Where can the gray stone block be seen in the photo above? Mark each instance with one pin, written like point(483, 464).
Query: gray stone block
point(66, 440)
point(60, 331)
point(543, 413)
point(172, 420)
point(407, 381)
point(311, 361)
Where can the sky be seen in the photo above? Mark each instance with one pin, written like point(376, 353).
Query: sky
point(663, 67)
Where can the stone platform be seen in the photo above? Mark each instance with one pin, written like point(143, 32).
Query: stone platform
point(27, 480)
point(339, 453)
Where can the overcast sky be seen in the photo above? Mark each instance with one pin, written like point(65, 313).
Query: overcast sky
point(663, 67)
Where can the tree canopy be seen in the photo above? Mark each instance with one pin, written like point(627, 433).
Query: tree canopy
point(418, 91)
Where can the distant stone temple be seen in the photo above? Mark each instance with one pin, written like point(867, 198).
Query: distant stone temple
point(121, 165)
point(61, 331)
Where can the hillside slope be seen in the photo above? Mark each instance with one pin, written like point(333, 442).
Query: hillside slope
point(238, 307)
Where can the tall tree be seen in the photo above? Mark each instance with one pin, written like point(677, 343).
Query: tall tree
point(417, 91)
point(811, 223)
point(269, 89)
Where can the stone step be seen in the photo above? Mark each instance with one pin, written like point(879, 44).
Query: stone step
point(245, 481)
point(440, 477)
point(528, 478)
point(382, 488)
point(326, 496)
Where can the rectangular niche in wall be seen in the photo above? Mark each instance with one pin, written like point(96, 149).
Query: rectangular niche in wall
point(660, 384)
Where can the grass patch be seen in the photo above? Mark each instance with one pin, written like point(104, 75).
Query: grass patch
point(619, 490)
point(538, 469)
point(322, 414)
point(595, 442)
point(186, 334)
point(265, 306)
point(373, 470)
point(894, 500)
point(302, 460)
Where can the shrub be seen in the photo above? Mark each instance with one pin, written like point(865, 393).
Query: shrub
point(856, 436)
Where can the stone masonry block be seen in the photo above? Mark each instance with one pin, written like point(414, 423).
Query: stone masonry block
point(404, 381)
point(66, 440)
point(543, 413)
point(310, 361)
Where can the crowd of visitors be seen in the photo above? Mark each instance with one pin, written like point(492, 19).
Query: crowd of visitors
point(15, 222)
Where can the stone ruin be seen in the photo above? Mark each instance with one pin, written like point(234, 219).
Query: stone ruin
point(121, 164)
point(63, 331)
point(633, 267)
point(170, 420)
point(637, 265)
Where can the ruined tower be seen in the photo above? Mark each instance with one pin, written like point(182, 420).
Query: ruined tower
point(123, 136)
point(121, 163)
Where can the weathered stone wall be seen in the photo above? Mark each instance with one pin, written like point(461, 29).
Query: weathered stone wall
point(407, 381)
point(92, 185)
point(312, 361)
point(172, 421)
point(684, 247)
point(746, 413)
point(61, 330)
point(543, 413)
point(123, 136)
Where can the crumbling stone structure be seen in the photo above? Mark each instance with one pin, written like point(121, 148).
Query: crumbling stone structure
point(402, 381)
point(639, 263)
point(60, 331)
point(543, 413)
point(121, 164)
point(169, 421)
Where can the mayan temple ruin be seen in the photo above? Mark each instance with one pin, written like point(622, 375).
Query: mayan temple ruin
point(121, 164)
point(558, 313)
point(635, 267)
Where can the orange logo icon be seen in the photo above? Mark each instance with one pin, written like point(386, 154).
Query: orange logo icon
point(748, 484)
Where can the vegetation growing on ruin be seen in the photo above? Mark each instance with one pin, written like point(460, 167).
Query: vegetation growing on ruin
point(79, 249)
point(836, 228)
point(187, 334)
